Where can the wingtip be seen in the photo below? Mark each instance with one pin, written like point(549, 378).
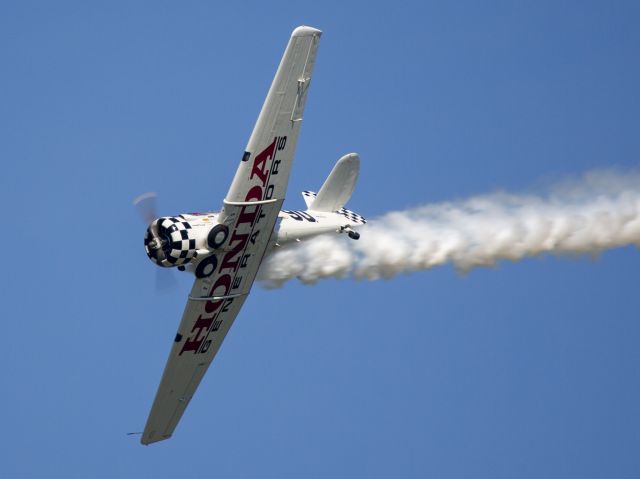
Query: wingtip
point(146, 440)
point(350, 158)
point(305, 31)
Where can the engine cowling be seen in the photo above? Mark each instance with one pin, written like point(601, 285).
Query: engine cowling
point(176, 240)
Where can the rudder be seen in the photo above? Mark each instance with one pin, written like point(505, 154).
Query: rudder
point(338, 187)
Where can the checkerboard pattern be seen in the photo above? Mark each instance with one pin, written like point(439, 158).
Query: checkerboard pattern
point(350, 215)
point(180, 243)
point(183, 247)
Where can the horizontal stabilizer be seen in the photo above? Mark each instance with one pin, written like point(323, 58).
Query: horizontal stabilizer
point(309, 197)
point(354, 218)
point(338, 186)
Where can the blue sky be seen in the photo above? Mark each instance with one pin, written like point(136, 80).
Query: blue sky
point(525, 370)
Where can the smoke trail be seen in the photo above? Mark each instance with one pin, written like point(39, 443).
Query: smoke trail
point(600, 211)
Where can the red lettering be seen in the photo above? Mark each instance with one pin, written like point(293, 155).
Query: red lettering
point(260, 163)
point(247, 216)
point(221, 287)
point(227, 262)
point(202, 324)
point(255, 193)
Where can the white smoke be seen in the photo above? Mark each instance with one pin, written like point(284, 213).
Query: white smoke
point(600, 211)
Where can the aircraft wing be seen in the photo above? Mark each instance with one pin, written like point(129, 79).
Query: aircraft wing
point(246, 222)
point(260, 176)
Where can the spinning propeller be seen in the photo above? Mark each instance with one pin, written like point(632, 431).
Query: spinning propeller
point(146, 205)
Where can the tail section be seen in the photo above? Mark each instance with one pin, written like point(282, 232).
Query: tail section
point(309, 197)
point(338, 187)
point(353, 217)
point(337, 190)
point(325, 212)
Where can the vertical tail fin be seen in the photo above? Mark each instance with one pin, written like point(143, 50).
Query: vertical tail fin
point(338, 187)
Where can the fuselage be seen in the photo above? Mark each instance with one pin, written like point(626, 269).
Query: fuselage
point(177, 240)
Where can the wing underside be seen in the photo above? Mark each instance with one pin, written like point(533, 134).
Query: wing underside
point(224, 278)
point(183, 372)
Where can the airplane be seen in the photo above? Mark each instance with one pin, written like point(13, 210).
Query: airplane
point(224, 250)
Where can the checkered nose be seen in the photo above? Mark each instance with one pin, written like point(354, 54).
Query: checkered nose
point(170, 242)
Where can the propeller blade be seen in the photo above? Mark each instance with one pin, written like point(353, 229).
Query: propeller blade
point(146, 205)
